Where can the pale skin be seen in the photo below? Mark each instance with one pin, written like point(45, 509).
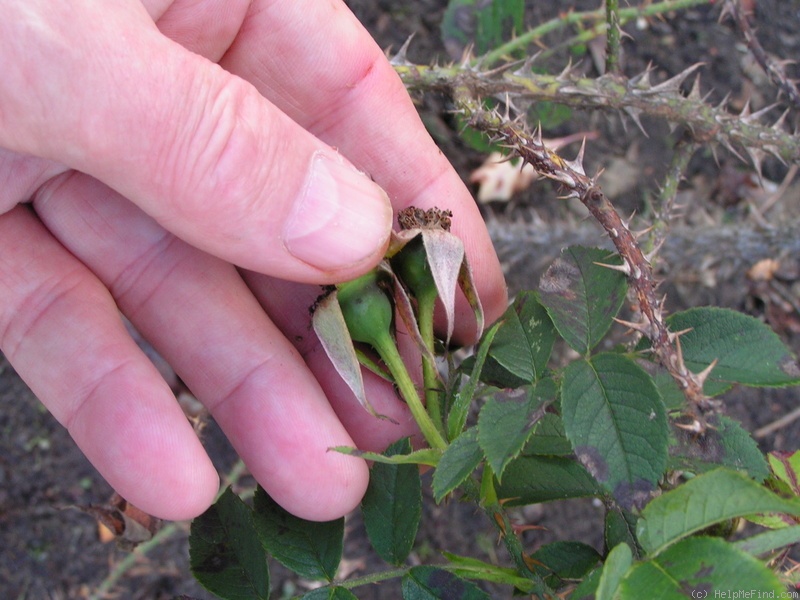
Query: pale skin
point(180, 161)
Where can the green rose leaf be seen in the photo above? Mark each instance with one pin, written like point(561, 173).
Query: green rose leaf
point(330, 593)
point(725, 443)
point(700, 567)
point(522, 346)
point(614, 417)
point(703, 501)
point(460, 459)
point(746, 350)
point(581, 296)
point(430, 583)
point(565, 560)
point(507, 419)
point(309, 548)
point(534, 479)
point(617, 564)
point(392, 506)
point(225, 553)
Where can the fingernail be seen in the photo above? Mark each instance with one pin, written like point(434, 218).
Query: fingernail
point(341, 218)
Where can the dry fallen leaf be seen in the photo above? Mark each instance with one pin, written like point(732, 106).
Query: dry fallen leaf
point(121, 521)
point(499, 178)
point(763, 270)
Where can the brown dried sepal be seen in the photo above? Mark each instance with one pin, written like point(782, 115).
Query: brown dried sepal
point(123, 522)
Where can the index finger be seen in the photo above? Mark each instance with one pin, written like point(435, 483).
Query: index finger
point(317, 63)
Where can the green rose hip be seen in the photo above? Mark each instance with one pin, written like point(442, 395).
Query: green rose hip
point(367, 308)
point(412, 268)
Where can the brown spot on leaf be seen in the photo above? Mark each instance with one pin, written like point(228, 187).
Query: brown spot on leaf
point(558, 279)
point(789, 366)
point(633, 495)
point(702, 590)
point(594, 462)
point(446, 584)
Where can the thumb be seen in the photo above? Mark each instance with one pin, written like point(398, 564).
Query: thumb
point(197, 148)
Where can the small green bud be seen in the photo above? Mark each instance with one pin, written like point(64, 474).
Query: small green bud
point(367, 308)
point(412, 268)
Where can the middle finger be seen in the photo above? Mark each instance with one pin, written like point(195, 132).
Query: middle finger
point(201, 317)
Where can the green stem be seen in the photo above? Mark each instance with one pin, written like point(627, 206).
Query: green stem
point(388, 352)
point(499, 518)
point(612, 36)
point(372, 578)
point(666, 198)
point(521, 42)
point(426, 303)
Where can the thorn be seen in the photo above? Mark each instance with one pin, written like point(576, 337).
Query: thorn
point(593, 181)
point(681, 366)
point(757, 156)
point(577, 163)
point(727, 11)
point(714, 154)
point(527, 65)
point(695, 426)
point(703, 375)
point(642, 232)
point(694, 93)
point(724, 104)
point(642, 80)
point(400, 58)
point(756, 116)
point(673, 84)
point(775, 151)
point(566, 74)
point(467, 56)
point(627, 222)
point(731, 149)
point(745, 111)
point(654, 252)
point(623, 268)
point(643, 328)
point(537, 135)
point(778, 126)
point(634, 113)
point(674, 335)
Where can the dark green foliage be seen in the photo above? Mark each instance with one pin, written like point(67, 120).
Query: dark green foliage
point(522, 345)
point(597, 426)
point(734, 340)
point(581, 296)
point(458, 462)
point(330, 593)
point(430, 583)
point(392, 506)
point(534, 479)
point(563, 561)
point(699, 565)
point(310, 549)
point(614, 417)
point(225, 552)
point(507, 420)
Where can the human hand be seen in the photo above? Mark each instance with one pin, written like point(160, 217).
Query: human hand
point(160, 144)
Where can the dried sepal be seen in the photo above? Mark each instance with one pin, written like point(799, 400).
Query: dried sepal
point(444, 256)
point(331, 329)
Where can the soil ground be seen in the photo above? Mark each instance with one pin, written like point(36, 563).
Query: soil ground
point(49, 550)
